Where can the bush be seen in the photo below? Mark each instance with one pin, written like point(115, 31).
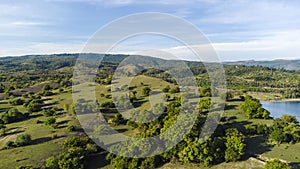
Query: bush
point(12, 115)
point(9, 144)
point(146, 91)
point(71, 128)
point(23, 139)
point(17, 101)
point(48, 112)
point(52, 163)
point(34, 105)
point(107, 104)
point(276, 164)
point(175, 90)
point(25, 167)
point(51, 122)
point(166, 89)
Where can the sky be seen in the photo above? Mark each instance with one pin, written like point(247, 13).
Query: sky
point(238, 30)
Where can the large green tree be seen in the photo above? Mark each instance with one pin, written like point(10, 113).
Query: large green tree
point(235, 145)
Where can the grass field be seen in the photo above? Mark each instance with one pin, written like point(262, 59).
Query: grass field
point(45, 139)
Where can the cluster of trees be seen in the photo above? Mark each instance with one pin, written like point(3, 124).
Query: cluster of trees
point(218, 148)
point(253, 109)
point(75, 151)
point(258, 78)
point(34, 104)
point(15, 102)
point(168, 89)
point(285, 129)
point(276, 164)
point(260, 129)
point(12, 115)
point(21, 140)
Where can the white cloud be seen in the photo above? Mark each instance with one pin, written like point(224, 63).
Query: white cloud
point(279, 45)
point(41, 48)
point(28, 23)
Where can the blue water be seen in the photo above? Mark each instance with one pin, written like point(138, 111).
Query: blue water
point(278, 108)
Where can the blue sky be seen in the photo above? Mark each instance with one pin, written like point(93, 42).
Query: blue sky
point(238, 30)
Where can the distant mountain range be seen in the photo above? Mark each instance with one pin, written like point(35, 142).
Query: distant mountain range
point(279, 63)
point(51, 61)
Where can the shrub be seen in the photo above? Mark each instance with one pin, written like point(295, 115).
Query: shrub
point(23, 139)
point(9, 144)
point(107, 104)
point(276, 164)
point(17, 101)
point(71, 128)
point(51, 122)
point(146, 91)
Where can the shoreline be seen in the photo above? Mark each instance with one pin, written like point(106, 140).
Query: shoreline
point(282, 100)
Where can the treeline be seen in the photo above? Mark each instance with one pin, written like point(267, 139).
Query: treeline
point(35, 69)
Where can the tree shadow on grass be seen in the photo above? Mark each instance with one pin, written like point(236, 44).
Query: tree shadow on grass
point(4, 109)
point(230, 107)
point(96, 161)
point(121, 130)
point(138, 103)
point(295, 165)
point(63, 122)
point(256, 145)
point(40, 140)
point(43, 140)
point(240, 125)
point(32, 116)
point(4, 102)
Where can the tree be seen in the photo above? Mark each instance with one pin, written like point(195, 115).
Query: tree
point(288, 119)
point(107, 104)
point(23, 139)
point(17, 101)
point(47, 87)
point(276, 164)
point(235, 145)
point(278, 135)
point(25, 167)
point(132, 95)
point(52, 163)
point(51, 122)
point(12, 115)
point(204, 104)
point(72, 158)
point(146, 91)
point(34, 105)
point(176, 89)
point(3, 129)
point(227, 96)
point(166, 89)
point(253, 108)
point(205, 91)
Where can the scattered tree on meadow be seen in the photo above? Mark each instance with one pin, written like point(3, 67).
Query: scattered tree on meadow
point(23, 139)
point(235, 145)
point(146, 91)
point(253, 109)
point(276, 164)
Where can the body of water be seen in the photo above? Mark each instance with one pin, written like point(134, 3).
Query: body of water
point(278, 108)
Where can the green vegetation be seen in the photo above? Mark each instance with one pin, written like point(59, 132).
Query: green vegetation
point(37, 114)
point(276, 164)
point(253, 108)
